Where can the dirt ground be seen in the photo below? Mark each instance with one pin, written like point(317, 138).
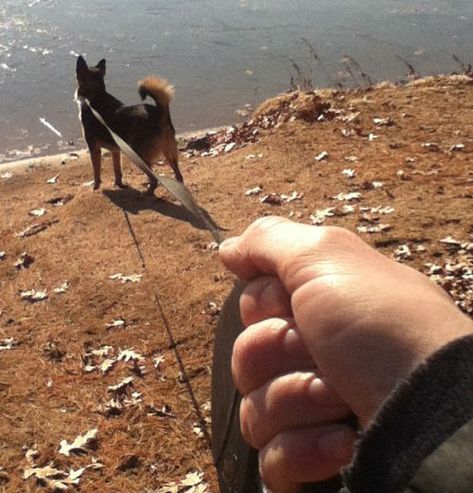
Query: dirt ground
point(97, 360)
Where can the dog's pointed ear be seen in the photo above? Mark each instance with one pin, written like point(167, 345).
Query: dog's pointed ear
point(81, 64)
point(101, 66)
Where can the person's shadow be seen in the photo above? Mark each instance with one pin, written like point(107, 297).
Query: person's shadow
point(133, 201)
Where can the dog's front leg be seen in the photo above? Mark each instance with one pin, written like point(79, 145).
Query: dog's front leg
point(95, 155)
point(117, 168)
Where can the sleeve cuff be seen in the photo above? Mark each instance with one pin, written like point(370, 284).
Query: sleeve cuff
point(420, 414)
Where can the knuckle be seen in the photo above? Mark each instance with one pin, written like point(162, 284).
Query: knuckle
point(265, 223)
point(335, 235)
point(247, 425)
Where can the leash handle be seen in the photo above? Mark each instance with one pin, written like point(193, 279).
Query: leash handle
point(235, 460)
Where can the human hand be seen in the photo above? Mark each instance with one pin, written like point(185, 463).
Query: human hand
point(364, 320)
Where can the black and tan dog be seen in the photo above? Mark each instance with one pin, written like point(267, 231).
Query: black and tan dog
point(147, 128)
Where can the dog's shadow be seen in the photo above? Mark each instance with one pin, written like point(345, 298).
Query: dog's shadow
point(133, 201)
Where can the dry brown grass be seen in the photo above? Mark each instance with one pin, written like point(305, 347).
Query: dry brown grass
point(45, 395)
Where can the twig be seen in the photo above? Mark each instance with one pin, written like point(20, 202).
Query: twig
point(412, 72)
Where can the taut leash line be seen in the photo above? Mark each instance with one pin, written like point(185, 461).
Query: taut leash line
point(174, 187)
point(172, 341)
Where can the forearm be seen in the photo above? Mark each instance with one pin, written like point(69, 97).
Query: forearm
point(416, 436)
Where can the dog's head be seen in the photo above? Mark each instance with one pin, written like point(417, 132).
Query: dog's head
point(90, 79)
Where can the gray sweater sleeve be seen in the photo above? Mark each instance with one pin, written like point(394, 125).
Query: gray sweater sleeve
point(421, 441)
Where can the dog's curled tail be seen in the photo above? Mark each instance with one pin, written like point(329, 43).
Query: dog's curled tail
point(159, 89)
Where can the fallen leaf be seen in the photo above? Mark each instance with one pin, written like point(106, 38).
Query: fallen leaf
point(457, 147)
point(80, 444)
point(31, 454)
point(292, 197)
point(57, 480)
point(52, 180)
point(3, 255)
point(377, 228)
point(102, 351)
point(122, 386)
point(254, 191)
point(348, 197)
point(254, 156)
point(378, 210)
point(37, 228)
point(349, 173)
point(193, 478)
point(33, 295)
point(119, 322)
point(63, 288)
point(213, 309)
point(106, 365)
point(431, 146)
point(345, 210)
point(319, 216)
point(197, 430)
point(24, 261)
point(401, 174)
point(383, 121)
point(8, 343)
point(164, 412)
point(124, 278)
point(229, 147)
point(322, 156)
point(372, 137)
point(37, 212)
point(402, 252)
point(60, 201)
point(168, 488)
point(451, 242)
point(158, 361)
point(347, 133)
point(46, 472)
point(272, 199)
point(129, 355)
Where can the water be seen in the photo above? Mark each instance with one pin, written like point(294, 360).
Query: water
point(220, 54)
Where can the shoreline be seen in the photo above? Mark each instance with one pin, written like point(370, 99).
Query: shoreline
point(61, 159)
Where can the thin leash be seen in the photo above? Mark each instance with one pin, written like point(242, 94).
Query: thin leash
point(184, 196)
point(172, 340)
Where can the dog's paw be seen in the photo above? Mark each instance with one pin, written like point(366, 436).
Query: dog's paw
point(97, 185)
point(121, 185)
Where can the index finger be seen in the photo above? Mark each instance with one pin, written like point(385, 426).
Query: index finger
point(296, 253)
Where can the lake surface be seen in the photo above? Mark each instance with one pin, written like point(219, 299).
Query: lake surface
point(224, 56)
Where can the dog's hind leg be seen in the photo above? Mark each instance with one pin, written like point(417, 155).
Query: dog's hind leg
point(95, 156)
point(153, 183)
point(171, 157)
point(117, 168)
